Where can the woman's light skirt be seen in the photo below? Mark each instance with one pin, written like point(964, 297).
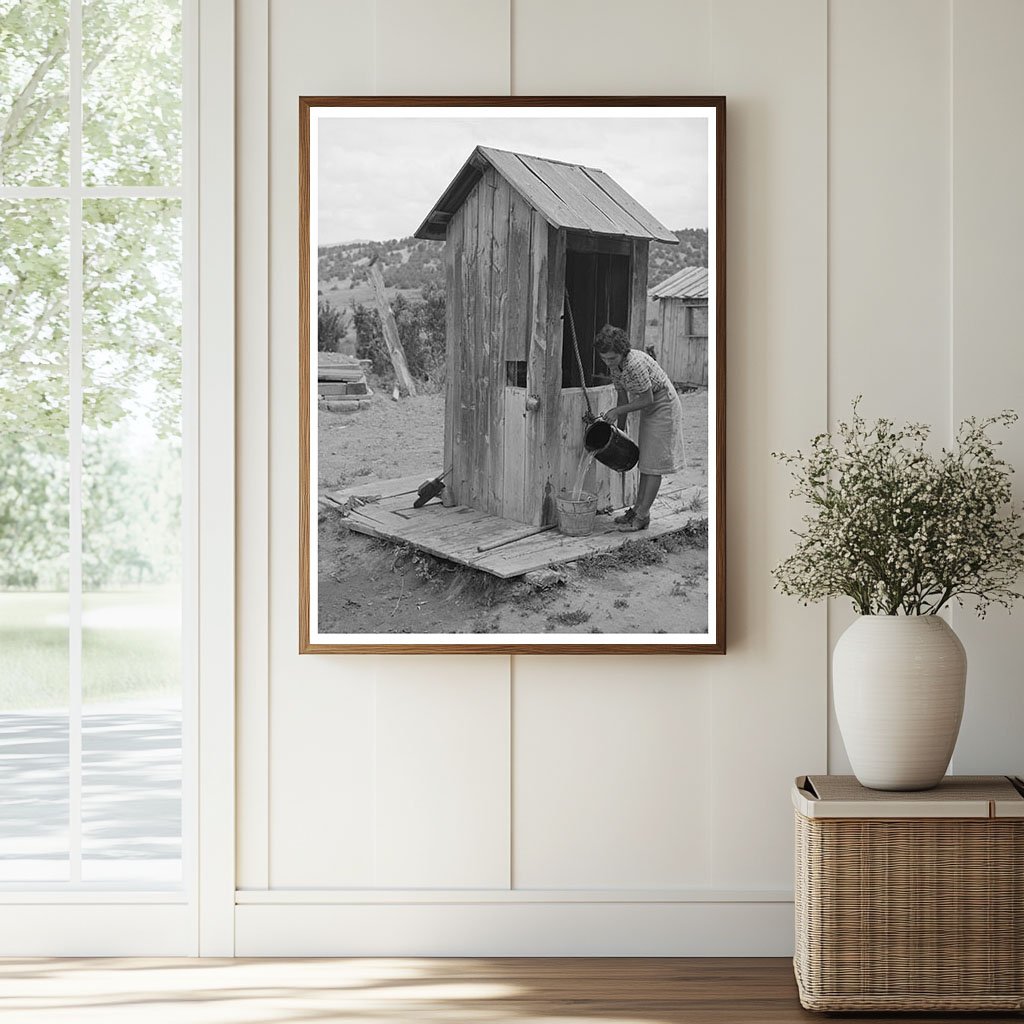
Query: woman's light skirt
point(661, 444)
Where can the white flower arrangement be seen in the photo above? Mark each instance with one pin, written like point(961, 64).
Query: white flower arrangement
point(899, 530)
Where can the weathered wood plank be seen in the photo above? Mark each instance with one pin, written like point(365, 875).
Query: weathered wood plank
point(390, 331)
point(534, 191)
point(453, 345)
point(486, 383)
point(571, 432)
point(457, 533)
point(482, 338)
point(356, 390)
point(334, 374)
point(384, 488)
point(521, 535)
point(602, 399)
point(622, 198)
point(661, 345)
point(575, 241)
point(669, 356)
point(571, 185)
point(467, 425)
point(550, 453)
point(481, 299)
point(365, 527)
point(454, 534)
point(518, 335)
point(538, 552)
point(536, 480)
point(638, 293)
point(495, 482)
point(514, 467)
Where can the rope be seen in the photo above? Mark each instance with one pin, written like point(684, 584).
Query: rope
point(579, 360)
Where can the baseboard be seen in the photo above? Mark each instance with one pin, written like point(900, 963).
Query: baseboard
point(99, 928)
point(521, 928)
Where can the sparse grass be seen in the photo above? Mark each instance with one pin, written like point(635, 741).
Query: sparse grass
point(633, 554)
point(575, 617)
point(697, 503)
point(620, 602)
point(592, 566)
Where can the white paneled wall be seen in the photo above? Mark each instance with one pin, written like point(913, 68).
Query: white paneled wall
point(612, 775)
point(442, 800)
point(768, 693)
point(578, 47)
point(987, 364)
point(889, 199)
point(625, 805)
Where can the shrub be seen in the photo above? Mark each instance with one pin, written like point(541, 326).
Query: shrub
point(421, 331)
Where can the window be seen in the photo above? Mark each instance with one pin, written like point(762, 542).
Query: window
point(95, 477)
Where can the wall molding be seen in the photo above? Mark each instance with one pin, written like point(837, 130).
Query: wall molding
point(536, 929)
point(377, 897)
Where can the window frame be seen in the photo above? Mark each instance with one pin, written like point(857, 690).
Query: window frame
point(122, 918)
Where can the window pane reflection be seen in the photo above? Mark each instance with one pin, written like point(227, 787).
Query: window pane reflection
point(33, 92)
point(131, 542)
point(34, 493)
point(131, 92)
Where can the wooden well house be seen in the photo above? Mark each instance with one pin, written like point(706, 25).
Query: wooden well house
point(682, 345)
point(522, 234)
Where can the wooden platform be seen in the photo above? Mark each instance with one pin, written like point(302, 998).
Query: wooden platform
point(458, 533)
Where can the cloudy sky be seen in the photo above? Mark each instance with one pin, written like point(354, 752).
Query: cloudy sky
point(379, 176)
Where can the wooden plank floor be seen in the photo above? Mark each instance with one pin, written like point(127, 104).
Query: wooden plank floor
point(458, 533)
point(415, 991)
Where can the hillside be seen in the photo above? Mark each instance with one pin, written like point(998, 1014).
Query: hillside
point(408, 263)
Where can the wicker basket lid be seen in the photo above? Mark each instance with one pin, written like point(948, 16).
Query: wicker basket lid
point(957, 796)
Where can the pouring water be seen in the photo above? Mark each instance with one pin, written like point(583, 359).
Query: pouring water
point(586, 460)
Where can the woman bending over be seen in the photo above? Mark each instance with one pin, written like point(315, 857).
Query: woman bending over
point(644, 387)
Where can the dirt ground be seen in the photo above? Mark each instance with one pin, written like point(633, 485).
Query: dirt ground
point(371, 586)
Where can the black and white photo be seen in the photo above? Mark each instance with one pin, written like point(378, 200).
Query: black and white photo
point(511, 374)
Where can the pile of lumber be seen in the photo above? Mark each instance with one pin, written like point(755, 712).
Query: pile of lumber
point(341, 382)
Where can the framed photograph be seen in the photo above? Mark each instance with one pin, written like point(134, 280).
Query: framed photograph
point(512, 374)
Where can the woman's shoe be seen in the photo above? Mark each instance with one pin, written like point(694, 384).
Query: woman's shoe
point(627, 517)
point(636, 524)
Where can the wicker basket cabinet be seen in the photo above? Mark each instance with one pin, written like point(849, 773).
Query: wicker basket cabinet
point(910, 901)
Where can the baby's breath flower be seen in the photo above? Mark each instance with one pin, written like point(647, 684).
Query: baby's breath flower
point(897, 529)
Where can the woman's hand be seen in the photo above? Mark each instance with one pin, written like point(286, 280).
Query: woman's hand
point(610, 416)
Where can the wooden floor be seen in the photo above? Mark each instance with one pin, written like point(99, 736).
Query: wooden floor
point(509, 548)
point(414, 991)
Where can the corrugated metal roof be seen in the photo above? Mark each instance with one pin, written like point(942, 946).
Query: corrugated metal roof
point(688, 283)
point(566, 195)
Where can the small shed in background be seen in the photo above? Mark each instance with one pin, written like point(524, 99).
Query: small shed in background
point(682, 345)
point(522, 233)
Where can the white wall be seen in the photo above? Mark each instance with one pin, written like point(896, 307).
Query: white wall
point(561, 805)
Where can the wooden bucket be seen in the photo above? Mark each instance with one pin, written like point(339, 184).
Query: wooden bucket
point(576, 515)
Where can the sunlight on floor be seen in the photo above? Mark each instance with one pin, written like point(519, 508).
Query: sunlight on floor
point(185, 991)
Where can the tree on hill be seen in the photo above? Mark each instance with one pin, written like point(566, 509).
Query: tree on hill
point(666, 260)
point(421, 330)
point(331, 325)
point(413, 264)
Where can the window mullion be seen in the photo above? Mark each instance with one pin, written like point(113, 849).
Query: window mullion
point(75, 333)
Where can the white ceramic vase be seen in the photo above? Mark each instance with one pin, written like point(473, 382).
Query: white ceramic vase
point(898, 685)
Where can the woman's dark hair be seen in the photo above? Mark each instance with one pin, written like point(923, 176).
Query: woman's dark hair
point(612, 339)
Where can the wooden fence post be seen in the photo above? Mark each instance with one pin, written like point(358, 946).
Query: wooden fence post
point(390, 329)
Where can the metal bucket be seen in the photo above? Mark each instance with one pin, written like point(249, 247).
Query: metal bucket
point(576, 515)
point(611, 446)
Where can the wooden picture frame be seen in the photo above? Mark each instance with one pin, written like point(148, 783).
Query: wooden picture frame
point(525, 254)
